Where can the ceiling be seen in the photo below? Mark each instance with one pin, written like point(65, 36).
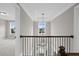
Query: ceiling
point(9, 9)
point(34, 10)
point(51, 10)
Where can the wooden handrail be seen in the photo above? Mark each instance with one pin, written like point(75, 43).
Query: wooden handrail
point(48, 36)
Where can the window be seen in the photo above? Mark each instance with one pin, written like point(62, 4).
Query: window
point(12, 27)
point(41, 27)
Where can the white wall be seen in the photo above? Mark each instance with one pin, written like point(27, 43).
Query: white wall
point(2, 29)
point(26, 24)
point(63, 24)
point(76, 30)
point(17, 40)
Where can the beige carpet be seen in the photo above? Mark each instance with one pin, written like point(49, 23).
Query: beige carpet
point(7, 47)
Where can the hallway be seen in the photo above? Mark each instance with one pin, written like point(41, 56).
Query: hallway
point(38, 29)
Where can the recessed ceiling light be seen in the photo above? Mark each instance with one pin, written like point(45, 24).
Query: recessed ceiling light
point(3, 13)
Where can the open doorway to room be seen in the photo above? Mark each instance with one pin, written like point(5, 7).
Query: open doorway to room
point(7, 29)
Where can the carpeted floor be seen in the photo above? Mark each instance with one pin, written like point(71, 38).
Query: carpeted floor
point(7, 47)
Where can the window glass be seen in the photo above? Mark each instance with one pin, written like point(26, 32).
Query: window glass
point(41, 27)
point(12, 27)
